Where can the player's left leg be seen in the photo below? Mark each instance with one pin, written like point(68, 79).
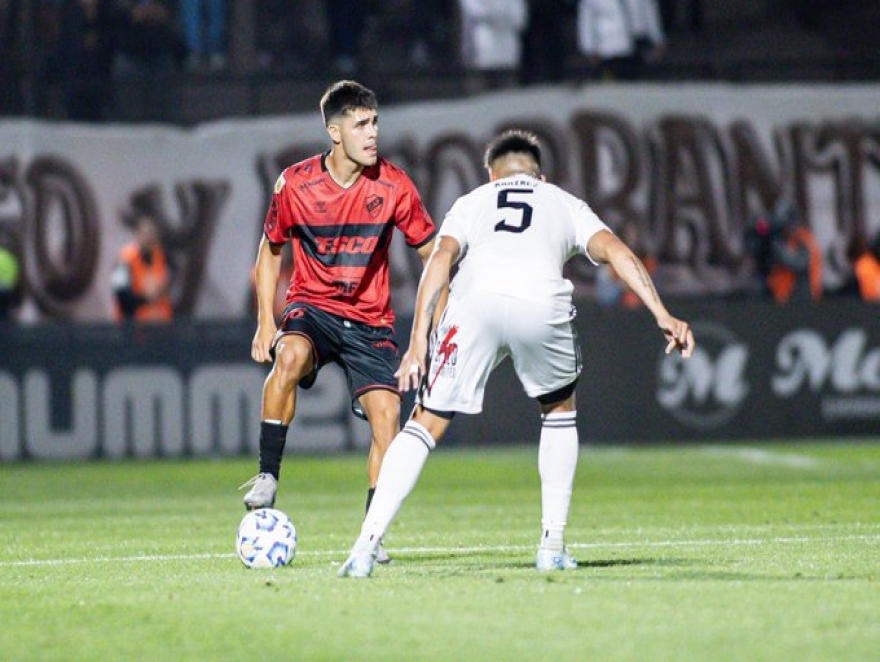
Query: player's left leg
point(557, 462)
point(547, 360)
point(382, 409)
point(370, 357)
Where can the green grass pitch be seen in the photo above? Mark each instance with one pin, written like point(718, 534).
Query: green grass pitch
point(721, 552)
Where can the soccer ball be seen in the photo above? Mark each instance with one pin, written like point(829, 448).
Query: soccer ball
point(266, 538)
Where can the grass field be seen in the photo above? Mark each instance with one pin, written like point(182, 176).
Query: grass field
point(767, 552)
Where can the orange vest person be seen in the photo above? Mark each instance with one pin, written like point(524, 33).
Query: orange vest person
point(141, 279)
point(796, 261)
point(866, 268)
point(783, 278)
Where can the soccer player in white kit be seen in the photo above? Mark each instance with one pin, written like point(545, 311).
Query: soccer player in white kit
point(510, 239)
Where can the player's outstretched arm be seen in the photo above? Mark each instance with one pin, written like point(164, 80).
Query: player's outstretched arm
point(425, 253)
point(605, 246)
point(432, 294)
point(266, 272)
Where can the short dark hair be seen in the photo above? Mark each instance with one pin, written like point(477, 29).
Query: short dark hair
point(344, 96)
point(513, 141)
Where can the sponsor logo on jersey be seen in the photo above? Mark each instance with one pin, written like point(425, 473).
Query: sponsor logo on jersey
point(346, 287)
point(350, 245)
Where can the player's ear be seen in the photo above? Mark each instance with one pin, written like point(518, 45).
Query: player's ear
point(543, 178)
point(334, 133)
point(492, 175)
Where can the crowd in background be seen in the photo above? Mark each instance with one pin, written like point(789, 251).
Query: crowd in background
point(87, 46)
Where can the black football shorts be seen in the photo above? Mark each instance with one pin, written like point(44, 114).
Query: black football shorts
point(368, 355)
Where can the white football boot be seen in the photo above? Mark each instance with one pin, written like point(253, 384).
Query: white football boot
point(358, 565)
point(549, 559)
point(262, 493)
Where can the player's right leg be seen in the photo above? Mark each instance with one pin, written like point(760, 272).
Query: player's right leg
point(400, 471)
point(456, 385)
point(294, 360)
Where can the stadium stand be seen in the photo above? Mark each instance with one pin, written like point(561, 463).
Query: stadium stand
point(734, 40)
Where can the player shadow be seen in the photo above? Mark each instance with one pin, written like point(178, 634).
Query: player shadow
point(693, 569)
point(618, 563)
point(478, 559)
point(584, 564)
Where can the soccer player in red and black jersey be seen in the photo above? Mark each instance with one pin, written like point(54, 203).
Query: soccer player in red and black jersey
point(338, 210)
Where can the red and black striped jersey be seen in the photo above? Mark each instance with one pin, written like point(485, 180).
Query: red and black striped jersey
point(340, 237)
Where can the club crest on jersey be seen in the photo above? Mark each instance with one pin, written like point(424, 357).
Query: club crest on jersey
point(279, 183)
point(374, 205)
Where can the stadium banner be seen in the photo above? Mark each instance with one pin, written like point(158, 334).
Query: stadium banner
point(692, 165)
point(760, 371)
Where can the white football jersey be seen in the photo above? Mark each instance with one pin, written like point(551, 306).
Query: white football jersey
point(515, 235)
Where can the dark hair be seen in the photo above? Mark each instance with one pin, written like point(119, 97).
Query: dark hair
point(344, 96)
point(513, 141)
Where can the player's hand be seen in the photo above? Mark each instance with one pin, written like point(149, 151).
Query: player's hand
point(411, 370)
point(262, 343)
point(679, 335)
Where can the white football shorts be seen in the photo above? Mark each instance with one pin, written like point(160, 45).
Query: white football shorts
point(475, 334)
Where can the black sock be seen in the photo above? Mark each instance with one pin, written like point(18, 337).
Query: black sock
point(370, 493)
point(273, 436)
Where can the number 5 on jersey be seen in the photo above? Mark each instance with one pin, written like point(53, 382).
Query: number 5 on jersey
point(505, 202)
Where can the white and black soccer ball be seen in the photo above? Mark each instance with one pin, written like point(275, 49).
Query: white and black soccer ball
point(266, 538)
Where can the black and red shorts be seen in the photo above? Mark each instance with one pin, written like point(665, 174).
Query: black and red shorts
point(368, 355)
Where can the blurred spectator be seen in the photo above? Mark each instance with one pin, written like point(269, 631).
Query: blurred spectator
point(866, 268)
point(545, 46)
point(491, 40)
point(292, 32)
point(8, 9)
point(148, 41)
point(417, 31)
point(204, 33)
point(811, 14)
point(795, 269)
point(86, 52)
point(141, 279)
point(669, 10)
point(10, 283)
point(346, 19)
point(620, 37)
point(10, 96)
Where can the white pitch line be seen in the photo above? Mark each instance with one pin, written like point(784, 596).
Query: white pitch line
point(739, 542)
point(763, 456)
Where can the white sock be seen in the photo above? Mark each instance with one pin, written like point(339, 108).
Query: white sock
point(401, 467)
point(557, 462)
